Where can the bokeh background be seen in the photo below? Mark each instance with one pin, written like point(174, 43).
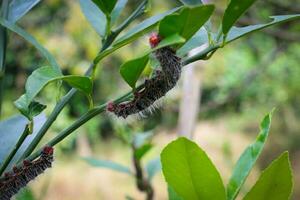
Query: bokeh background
point(231, 93)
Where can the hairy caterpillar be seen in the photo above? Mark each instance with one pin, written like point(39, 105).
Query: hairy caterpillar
point(156, 87)
point(19, 177)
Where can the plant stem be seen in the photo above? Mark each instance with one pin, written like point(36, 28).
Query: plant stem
point(15, 149)
point(3, 45)
point(62, 103)
point(142, 183)
point(99, 109)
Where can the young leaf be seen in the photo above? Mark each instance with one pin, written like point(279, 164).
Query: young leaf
point(237, 32)
point(248, 159)
point(275, 182)
point(19, 8)
point(94, 15)
point(191, 2)
point(172, 194)
point(189, 171)
point(43, 76)
point(108, 164)
point(152, 167)
point(105, 5)
point(233, 11)
point(32, 40)
point(131, 70)
point(116, 12)
point(11, 130)
point(187, 22)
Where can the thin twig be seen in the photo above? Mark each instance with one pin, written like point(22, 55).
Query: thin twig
point(142, 183)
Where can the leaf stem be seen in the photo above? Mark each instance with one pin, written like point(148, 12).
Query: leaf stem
point(15, 149)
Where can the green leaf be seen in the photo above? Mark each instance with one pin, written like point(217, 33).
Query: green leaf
point(191, 2)
point(247, 159)
point(187, 22)
point(275, 182)
point(172, 194)
point(31, 40)
point(43, 76)
point(105, 5)
point(233, 11)
point(141, 151)
point(189, 171)
point(132, 69)
point(237, 32)
point(108, 164)
point(197, 40)
point(94, 15)
point(116, 12)
point(152, 167)
point(11, 130)
point(19, 8)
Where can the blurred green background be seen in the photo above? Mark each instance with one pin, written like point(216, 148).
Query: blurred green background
point(238, 85)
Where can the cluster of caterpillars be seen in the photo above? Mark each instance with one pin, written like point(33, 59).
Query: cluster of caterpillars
point(19, 177)
point(154, 88)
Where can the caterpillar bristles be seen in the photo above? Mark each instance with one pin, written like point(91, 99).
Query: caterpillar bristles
point(19, 177)
point(154, 88)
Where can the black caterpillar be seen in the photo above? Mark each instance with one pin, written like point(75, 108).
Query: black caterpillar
point(154, 88)
point(19, 177)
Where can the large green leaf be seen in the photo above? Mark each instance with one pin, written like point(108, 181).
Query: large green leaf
point(248, 159)
point(233, 11)
point(237, 32)
point(32, 40)
point(108, 164)
point(11, 130)
point(275, 182)
point(132, 69)
point(187, 22)
point(134, 33)
point(197, 40)
point(94, 15)
point(191, 2)
point(189, 171)
point(18, 8)
point(43, 76)
point(105, 5)
point(172, 194)
point(116, 12)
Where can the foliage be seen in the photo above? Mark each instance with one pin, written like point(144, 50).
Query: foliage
point(190, 173)
point(185, 27)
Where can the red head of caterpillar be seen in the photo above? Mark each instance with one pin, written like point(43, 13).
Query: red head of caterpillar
point(154, 39)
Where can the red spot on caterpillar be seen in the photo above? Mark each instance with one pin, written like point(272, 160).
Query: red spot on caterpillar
point(110, 107)
point(48, 150)
point(154, 39)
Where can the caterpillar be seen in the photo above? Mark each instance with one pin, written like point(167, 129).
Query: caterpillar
point(155, 87)
point(19, 177)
